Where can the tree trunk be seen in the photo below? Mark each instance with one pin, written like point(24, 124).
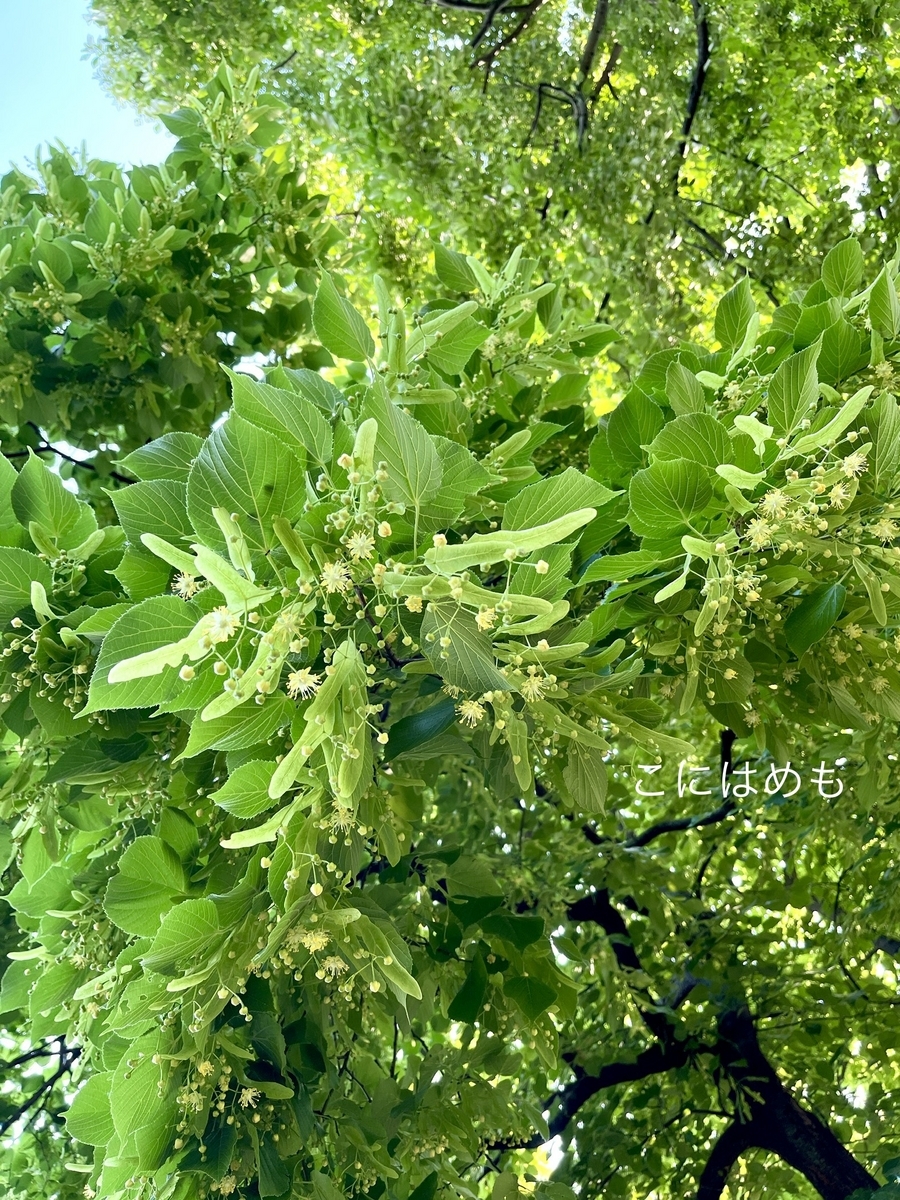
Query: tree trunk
point(774, 1121)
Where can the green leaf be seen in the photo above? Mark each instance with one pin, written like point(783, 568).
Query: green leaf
point(156, 622)
point(247, 471)
point(244, 726)
point(142, 1102)
point(814, 616)
point(89, 1118)
point(98, 222)
point(274, 1176)
point(467, 662)
point(533, 996)
point(453, 270)
point(455, 347)
point(884, 423)
point(339, 327)
point(591, 339)
point(418, 728)
point(793, 390)
point(184, 937)
point(618, 568)
point(684, 391)
point(554, 497)
point(158, 506)
point(427, 1189)
point(631, 426)
point(149, 881)
point(843, 267)
point(246, 792)
point(666, 495)
point(884, 307)
point(169, 457)
point(733, 315)
point(842, 352)
point(468, 1003)
point(413, 463)
point(585, 778)
point(696, 437)
point(283, 412)
point(519, 931)
point(18, 570)
point(39, 495)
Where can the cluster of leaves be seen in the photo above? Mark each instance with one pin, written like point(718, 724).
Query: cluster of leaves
point(302, 752)
point(648, 147)
point(208, 978)
point(121, 295)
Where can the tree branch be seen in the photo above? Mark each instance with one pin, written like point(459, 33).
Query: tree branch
point(725, 1153)
point(489, 57)
point(605, 79)
point(697, 81)
point(496, 8)
point(598, 27)
point(676, 824)
point(67, 1057)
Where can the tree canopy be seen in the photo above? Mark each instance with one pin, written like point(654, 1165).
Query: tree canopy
point(343, 868)
point(124, 293)
point(450, 667)
point(652, 147)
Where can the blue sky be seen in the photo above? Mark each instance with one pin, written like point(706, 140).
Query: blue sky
point(48, 90)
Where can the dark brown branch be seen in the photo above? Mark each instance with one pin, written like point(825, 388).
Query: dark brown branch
point(284, 62)
point(67, 1057)
point(489, 57)
point(598, 27)
point(46, 448)
point(728, 1149)
point(701, 67)
point(575, 100)
point(599, 909)
point(573, 1097)
point(475, 5)
point(605, 79)
point(774, 1121)
point(680, 823)
point(489, 17)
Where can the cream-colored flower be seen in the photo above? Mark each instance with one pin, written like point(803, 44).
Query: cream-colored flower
point(313, 939)
point(220, 625)
point(249, 1097)
point(884, 529)
point(205, 1068)
point(227, 1184)
point(853, 630)
point(342, 817)
point(470, 712)
point(335, 576)
point(542, 566)
point(360, 544)
point(760, 533)
point(854, 464)
point(302, 684)
point(532, 686)
point(486, 618)
point(838, 496)
point(413, 604)
point(334, 966)
point(774, 504)
point(185, 585)
point(384, 529)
